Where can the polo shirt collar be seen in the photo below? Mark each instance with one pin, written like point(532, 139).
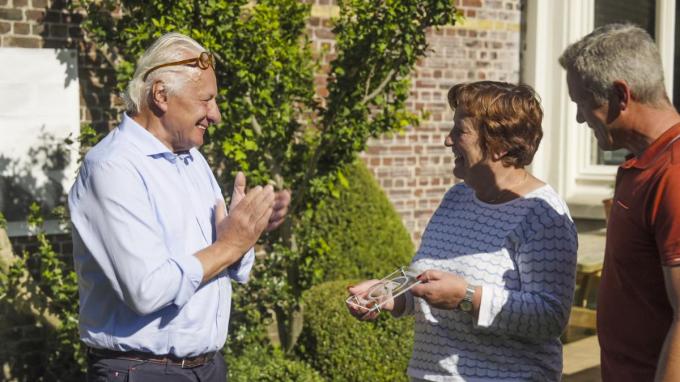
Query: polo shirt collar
point(146, 142)
point(654, 150)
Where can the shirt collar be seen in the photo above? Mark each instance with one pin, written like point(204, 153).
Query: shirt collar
point(654, 150)
point(146, 142)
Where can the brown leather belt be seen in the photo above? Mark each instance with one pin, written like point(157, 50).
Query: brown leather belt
point(184, 363)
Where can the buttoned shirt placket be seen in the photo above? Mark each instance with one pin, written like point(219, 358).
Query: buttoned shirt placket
point(181, 162)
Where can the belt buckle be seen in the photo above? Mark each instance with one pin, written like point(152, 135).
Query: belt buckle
point(190, 363)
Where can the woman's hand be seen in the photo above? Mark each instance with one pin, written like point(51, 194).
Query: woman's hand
point(441, 290)
point(360, 292)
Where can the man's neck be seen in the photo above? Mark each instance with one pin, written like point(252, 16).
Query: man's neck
point(152, 124)
point(647, 124)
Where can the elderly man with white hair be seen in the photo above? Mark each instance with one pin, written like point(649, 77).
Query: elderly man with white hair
point(154, 248)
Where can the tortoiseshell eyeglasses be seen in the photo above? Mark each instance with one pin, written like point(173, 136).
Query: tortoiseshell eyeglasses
point(204, 61)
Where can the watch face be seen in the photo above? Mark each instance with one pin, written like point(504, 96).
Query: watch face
point(465, 306)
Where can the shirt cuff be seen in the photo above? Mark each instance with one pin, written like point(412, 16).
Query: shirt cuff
point(485, 317)
point(240, 271)
point(192, 275)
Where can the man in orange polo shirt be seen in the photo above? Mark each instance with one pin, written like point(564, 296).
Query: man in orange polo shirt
point(615, 77)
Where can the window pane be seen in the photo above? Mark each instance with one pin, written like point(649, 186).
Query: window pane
point(640, 12)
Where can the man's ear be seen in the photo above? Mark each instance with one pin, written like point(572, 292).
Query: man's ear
point(621, 95)
point(159, 96)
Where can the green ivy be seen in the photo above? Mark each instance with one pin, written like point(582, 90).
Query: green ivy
point(44, 280)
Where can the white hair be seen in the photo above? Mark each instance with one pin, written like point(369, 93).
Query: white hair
point(168, 48)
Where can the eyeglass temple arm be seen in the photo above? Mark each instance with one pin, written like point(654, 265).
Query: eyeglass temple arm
point(187, 61)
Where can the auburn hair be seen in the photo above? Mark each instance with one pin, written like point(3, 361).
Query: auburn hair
point(507, 118)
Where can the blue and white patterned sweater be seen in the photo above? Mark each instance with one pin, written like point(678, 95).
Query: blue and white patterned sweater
point(523, 254)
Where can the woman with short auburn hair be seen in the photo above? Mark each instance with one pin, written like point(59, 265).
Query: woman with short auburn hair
point(497, 260)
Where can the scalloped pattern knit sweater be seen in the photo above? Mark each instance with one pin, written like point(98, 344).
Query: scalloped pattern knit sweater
point(523, 254)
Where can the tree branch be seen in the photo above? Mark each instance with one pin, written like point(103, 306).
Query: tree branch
point(380, 87)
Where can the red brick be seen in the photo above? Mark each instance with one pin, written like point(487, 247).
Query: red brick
point(58, 31)
point(39, 3)
point(22, 28)
point(38, 16)
point(20, 3)
point(472, 3)
point(53, 17)
point(22, 42)
point(4, 3)
point(323, 33)
point(37, 29)
point(10, 14)
point(72, 18)
point(75, 32)
point(5, 27)
point(60, 4)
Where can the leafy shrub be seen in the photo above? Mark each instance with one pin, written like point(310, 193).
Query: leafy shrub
point(358, 234)
point(345, 349)
point(267, 365)
point(39, 312)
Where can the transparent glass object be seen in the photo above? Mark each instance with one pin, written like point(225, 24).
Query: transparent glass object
point(388, 288)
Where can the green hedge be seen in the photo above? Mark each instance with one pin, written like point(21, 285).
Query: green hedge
point(344, 349)
point(359, 233)
point(266, 365)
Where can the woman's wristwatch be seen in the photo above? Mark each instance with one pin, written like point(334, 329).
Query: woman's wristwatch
point(466, 303)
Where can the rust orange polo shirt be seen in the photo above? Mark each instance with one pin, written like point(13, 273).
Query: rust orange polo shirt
point(643, 234)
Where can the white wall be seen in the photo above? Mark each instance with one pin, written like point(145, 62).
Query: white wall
point(38, 99)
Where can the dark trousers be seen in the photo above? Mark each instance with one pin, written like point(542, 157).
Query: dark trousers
point(121, 370)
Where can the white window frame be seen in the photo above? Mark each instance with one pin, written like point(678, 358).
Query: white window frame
point(565, 157)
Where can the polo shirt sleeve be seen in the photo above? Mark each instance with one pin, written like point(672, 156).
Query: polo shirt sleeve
point(667, 217)
point(114, 216)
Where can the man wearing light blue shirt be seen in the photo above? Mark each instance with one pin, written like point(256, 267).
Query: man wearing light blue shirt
point(154, 248)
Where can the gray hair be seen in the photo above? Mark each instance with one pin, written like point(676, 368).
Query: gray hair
point(617, 52)
point(168, 48)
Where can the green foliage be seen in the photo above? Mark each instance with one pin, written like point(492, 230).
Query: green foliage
point(274, 126)
point(356, 235)
point(269, 365)
point(345, 349)
point(44, 281)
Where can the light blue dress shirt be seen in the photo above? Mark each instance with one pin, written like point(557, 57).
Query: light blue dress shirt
point(139, 214)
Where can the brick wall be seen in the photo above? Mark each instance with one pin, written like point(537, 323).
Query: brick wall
point(414, 168)
point(50, 24)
